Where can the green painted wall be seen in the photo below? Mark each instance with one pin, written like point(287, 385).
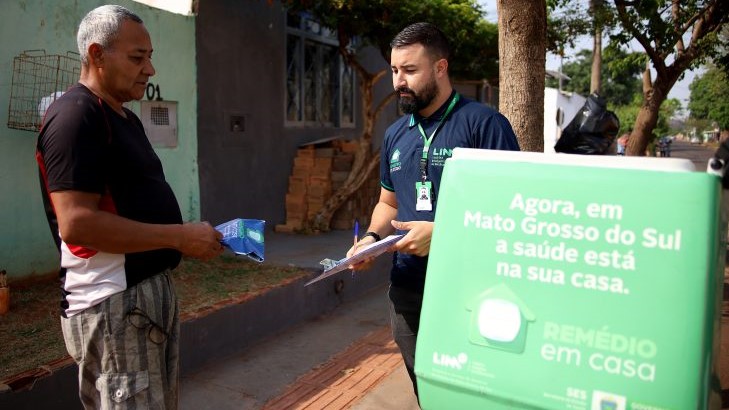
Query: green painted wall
point(26, 247)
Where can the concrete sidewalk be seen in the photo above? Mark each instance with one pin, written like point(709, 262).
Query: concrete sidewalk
point(345, 359)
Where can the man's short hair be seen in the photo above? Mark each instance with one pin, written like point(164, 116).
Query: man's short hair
point(101, 25)
point(427, 34)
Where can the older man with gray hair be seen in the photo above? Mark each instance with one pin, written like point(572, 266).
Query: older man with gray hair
point(116, 222)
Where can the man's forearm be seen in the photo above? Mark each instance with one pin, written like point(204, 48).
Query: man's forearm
point(381, 217)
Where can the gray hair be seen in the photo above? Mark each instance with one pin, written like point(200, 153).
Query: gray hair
point(101, 25)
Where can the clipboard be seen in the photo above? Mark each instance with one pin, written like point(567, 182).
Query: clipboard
point(370, 251)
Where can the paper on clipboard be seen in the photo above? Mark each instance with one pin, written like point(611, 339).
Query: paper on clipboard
point(370, 251)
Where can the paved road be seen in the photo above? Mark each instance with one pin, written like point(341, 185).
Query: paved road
point(699, 154)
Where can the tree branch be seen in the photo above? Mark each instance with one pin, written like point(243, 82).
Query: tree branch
point(383, 103)
point(699, 15)
point(378, 75)
point(350, 58)
point(627, 23)
point(647, 81)
point(675, 12)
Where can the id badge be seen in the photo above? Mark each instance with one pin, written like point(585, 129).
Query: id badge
point(423, 200)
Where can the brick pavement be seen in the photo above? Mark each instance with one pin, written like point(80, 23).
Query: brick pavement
point(345, 378)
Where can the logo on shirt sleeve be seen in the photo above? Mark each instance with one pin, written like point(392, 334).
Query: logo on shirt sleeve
point(395, 164)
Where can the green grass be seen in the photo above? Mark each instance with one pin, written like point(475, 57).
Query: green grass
point(30, 332)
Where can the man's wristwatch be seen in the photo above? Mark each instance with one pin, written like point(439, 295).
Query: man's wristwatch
point(373, 235)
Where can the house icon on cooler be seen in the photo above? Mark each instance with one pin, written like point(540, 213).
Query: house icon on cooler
point(499, 319)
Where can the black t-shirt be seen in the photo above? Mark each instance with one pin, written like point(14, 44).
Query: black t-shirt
point(86, 146)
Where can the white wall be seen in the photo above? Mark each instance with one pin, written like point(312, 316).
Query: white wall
point(566, 102)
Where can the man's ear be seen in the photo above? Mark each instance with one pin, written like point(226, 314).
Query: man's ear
point(96, 54)
point(441, 66)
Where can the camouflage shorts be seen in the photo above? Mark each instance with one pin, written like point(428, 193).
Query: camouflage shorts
point(127, 348)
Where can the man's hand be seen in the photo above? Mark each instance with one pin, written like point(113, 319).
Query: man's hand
point(367, 263)
point(417, 241)
point(200, 240)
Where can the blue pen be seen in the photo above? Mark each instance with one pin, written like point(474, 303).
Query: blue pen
point(356, 237)
point(356, 232)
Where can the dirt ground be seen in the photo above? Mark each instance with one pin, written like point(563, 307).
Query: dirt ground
point(30, 333)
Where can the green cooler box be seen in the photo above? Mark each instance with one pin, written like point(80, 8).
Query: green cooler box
point(572, 282)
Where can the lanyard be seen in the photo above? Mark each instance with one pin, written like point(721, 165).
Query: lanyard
point(427, 141)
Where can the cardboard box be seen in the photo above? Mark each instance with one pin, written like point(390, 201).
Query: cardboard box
point(324, 152)
point(303, 162)
point(305, 152)
point(297, 186)
point(350, 146)
point(342, 162)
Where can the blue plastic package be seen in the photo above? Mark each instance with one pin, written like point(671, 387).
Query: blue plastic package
point(244, 237)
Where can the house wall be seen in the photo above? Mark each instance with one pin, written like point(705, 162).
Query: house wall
point(26, 247)
point(569, 104)
point(241, 65)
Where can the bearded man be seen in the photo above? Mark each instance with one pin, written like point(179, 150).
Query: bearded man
point(437, 119)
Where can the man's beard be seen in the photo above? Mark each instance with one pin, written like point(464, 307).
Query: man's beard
point(413, 102)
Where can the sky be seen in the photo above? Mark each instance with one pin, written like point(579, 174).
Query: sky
point(679, 91)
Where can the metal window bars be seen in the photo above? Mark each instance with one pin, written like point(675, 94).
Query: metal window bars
point(38, 79)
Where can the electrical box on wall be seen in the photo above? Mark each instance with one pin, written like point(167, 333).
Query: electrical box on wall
point(160, 122)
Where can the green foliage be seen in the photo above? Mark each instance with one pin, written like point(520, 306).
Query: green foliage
point(568, 19)
point(668, 110)
point(620, 74)
point(629, 112)
point(698, 124)
point(579, 73)
point(656, 23)
point(722, 58)
point(474, 41)
point(627, 115)
point(710, 97)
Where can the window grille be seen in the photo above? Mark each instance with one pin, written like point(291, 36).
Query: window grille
point(38, 79)
point(320, 87)
point(160, 115)
point(159, 119)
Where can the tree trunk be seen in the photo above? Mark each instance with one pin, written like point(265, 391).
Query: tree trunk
point(522, 56)
point(595, 74)
point(322, 220)
point(595, 77)
point(653, 96)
